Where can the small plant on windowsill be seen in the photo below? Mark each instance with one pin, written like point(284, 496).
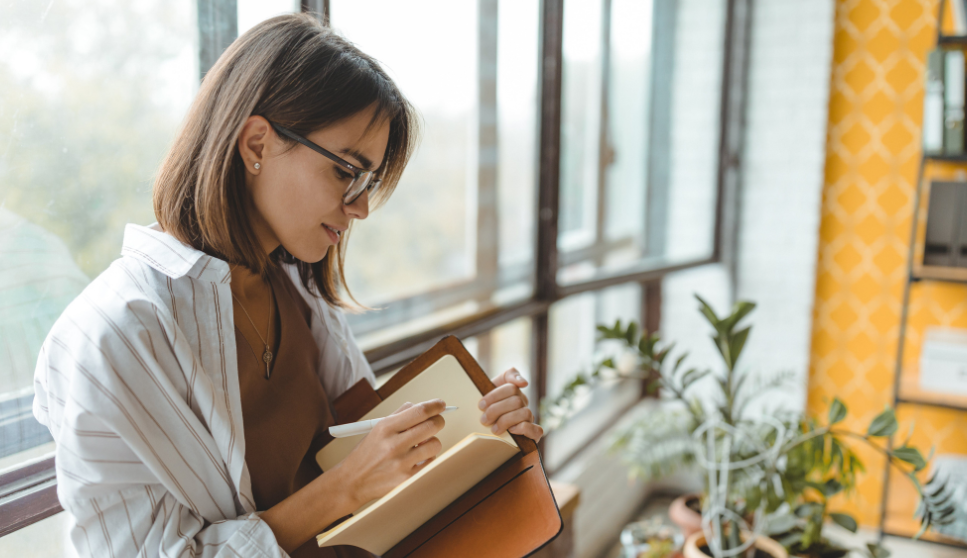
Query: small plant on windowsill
point(765, 475)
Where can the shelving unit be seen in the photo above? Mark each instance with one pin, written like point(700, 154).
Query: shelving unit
point(952, 41)
point(906, 389)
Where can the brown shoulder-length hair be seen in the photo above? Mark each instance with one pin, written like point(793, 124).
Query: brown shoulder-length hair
point(298, 73)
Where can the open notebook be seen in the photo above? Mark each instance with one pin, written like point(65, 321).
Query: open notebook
point(470, 454)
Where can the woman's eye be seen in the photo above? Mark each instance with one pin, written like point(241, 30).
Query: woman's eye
point(343, 175)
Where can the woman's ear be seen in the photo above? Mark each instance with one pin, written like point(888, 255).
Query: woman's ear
point(252, 141)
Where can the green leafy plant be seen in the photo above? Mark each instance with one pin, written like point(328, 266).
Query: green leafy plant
point(813, 460)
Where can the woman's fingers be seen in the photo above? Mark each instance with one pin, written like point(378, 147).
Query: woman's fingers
point(510, 419)
point(419, 466)
point(512, 376)
point(402, 408)
point(502, 407)
point(532, 431)
point(405, 419)
point(423, 431)
point(426, 450)
point(500, 393)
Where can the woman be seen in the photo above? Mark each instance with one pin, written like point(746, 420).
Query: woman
point(189, 386)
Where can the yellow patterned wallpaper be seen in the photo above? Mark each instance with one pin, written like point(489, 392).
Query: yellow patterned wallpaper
point(873, 151)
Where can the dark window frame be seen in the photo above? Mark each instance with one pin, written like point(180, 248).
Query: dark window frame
point(28, 494)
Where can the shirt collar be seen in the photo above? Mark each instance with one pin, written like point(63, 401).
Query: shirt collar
point(163, 252)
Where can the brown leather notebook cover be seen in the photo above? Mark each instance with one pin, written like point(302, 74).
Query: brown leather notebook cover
point(510, 514)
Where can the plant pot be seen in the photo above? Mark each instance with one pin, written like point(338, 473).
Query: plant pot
point(687, 519)
point(766, 545)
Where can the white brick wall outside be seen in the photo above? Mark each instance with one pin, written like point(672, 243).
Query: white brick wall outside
point(782, 185)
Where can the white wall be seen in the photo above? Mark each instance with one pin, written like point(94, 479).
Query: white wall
point(782, 183)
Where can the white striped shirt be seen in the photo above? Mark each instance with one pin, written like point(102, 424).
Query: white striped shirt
point(138, 383)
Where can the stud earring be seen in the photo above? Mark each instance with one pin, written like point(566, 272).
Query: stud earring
point(257, 166)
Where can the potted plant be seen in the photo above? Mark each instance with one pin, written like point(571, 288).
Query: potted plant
point(766, 476)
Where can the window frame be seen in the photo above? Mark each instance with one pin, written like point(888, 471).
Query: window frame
point(28, 493)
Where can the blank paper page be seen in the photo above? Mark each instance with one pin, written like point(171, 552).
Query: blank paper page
point(444, 379)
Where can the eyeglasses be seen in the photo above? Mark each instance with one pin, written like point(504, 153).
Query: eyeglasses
point(363, 180)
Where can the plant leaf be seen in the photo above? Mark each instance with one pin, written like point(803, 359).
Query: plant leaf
point(678, 363)
point(709, 314)
point(807, 509)
point(911, 456)
point(845, 521)
point(739, 311)
point(790, 539)
point(693, 376)
point(877, 551)
point(832, 487)
point(884, 424)
point(837, 411)
point(781, 524)
point(632, 333)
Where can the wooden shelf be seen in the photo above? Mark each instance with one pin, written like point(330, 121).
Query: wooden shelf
point(952, 41)
point(944, 158)
point(911, 393)
point(917, 277)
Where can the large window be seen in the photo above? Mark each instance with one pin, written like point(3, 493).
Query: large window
point(459, 232)
point(90, 97)
point(540, 202)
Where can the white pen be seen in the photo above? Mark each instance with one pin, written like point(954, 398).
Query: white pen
point(363, 426)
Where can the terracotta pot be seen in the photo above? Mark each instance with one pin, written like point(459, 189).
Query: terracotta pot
point(765, 544)
point(687, 519)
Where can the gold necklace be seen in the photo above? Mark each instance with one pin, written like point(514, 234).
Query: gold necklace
point(267, 355)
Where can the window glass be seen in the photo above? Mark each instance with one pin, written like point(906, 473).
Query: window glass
point(622, 199)
point(91, 95)
point(457, 236)
point(572, 349)
point(694, 121)
point(424, 234)
point(518, 103)
point(580, 122)
point(253, 12)
point(628, 104)
point(604, 133)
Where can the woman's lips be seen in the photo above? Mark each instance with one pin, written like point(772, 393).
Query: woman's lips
point(332, 234)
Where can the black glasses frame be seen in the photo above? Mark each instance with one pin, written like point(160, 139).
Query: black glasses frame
point(372, 184)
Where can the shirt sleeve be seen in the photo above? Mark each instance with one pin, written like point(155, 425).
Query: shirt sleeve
point(148, 521)
point(136, 468)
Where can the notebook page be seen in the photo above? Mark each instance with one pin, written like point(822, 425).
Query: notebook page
point(444, 379)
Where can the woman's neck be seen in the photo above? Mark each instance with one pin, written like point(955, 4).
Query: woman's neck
point(246, 284)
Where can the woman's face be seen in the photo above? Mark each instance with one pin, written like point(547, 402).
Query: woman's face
point(296, 194)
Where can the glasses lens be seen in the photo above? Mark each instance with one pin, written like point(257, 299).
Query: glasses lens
point(358, 186)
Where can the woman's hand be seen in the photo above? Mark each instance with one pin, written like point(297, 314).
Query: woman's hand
point(396, 449)
point(505, 408)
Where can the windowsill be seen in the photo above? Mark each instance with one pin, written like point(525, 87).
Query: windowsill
point(20, 459)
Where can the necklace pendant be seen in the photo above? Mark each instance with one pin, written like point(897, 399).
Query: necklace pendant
point(267, 358)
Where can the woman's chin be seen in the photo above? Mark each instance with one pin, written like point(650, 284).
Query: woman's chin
point(310, 254)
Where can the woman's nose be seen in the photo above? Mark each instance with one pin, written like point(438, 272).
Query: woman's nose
point(359, 209)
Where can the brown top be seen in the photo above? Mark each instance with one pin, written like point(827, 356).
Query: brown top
point(286, 417)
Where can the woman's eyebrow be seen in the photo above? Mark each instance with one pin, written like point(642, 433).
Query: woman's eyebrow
point(363, 160)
